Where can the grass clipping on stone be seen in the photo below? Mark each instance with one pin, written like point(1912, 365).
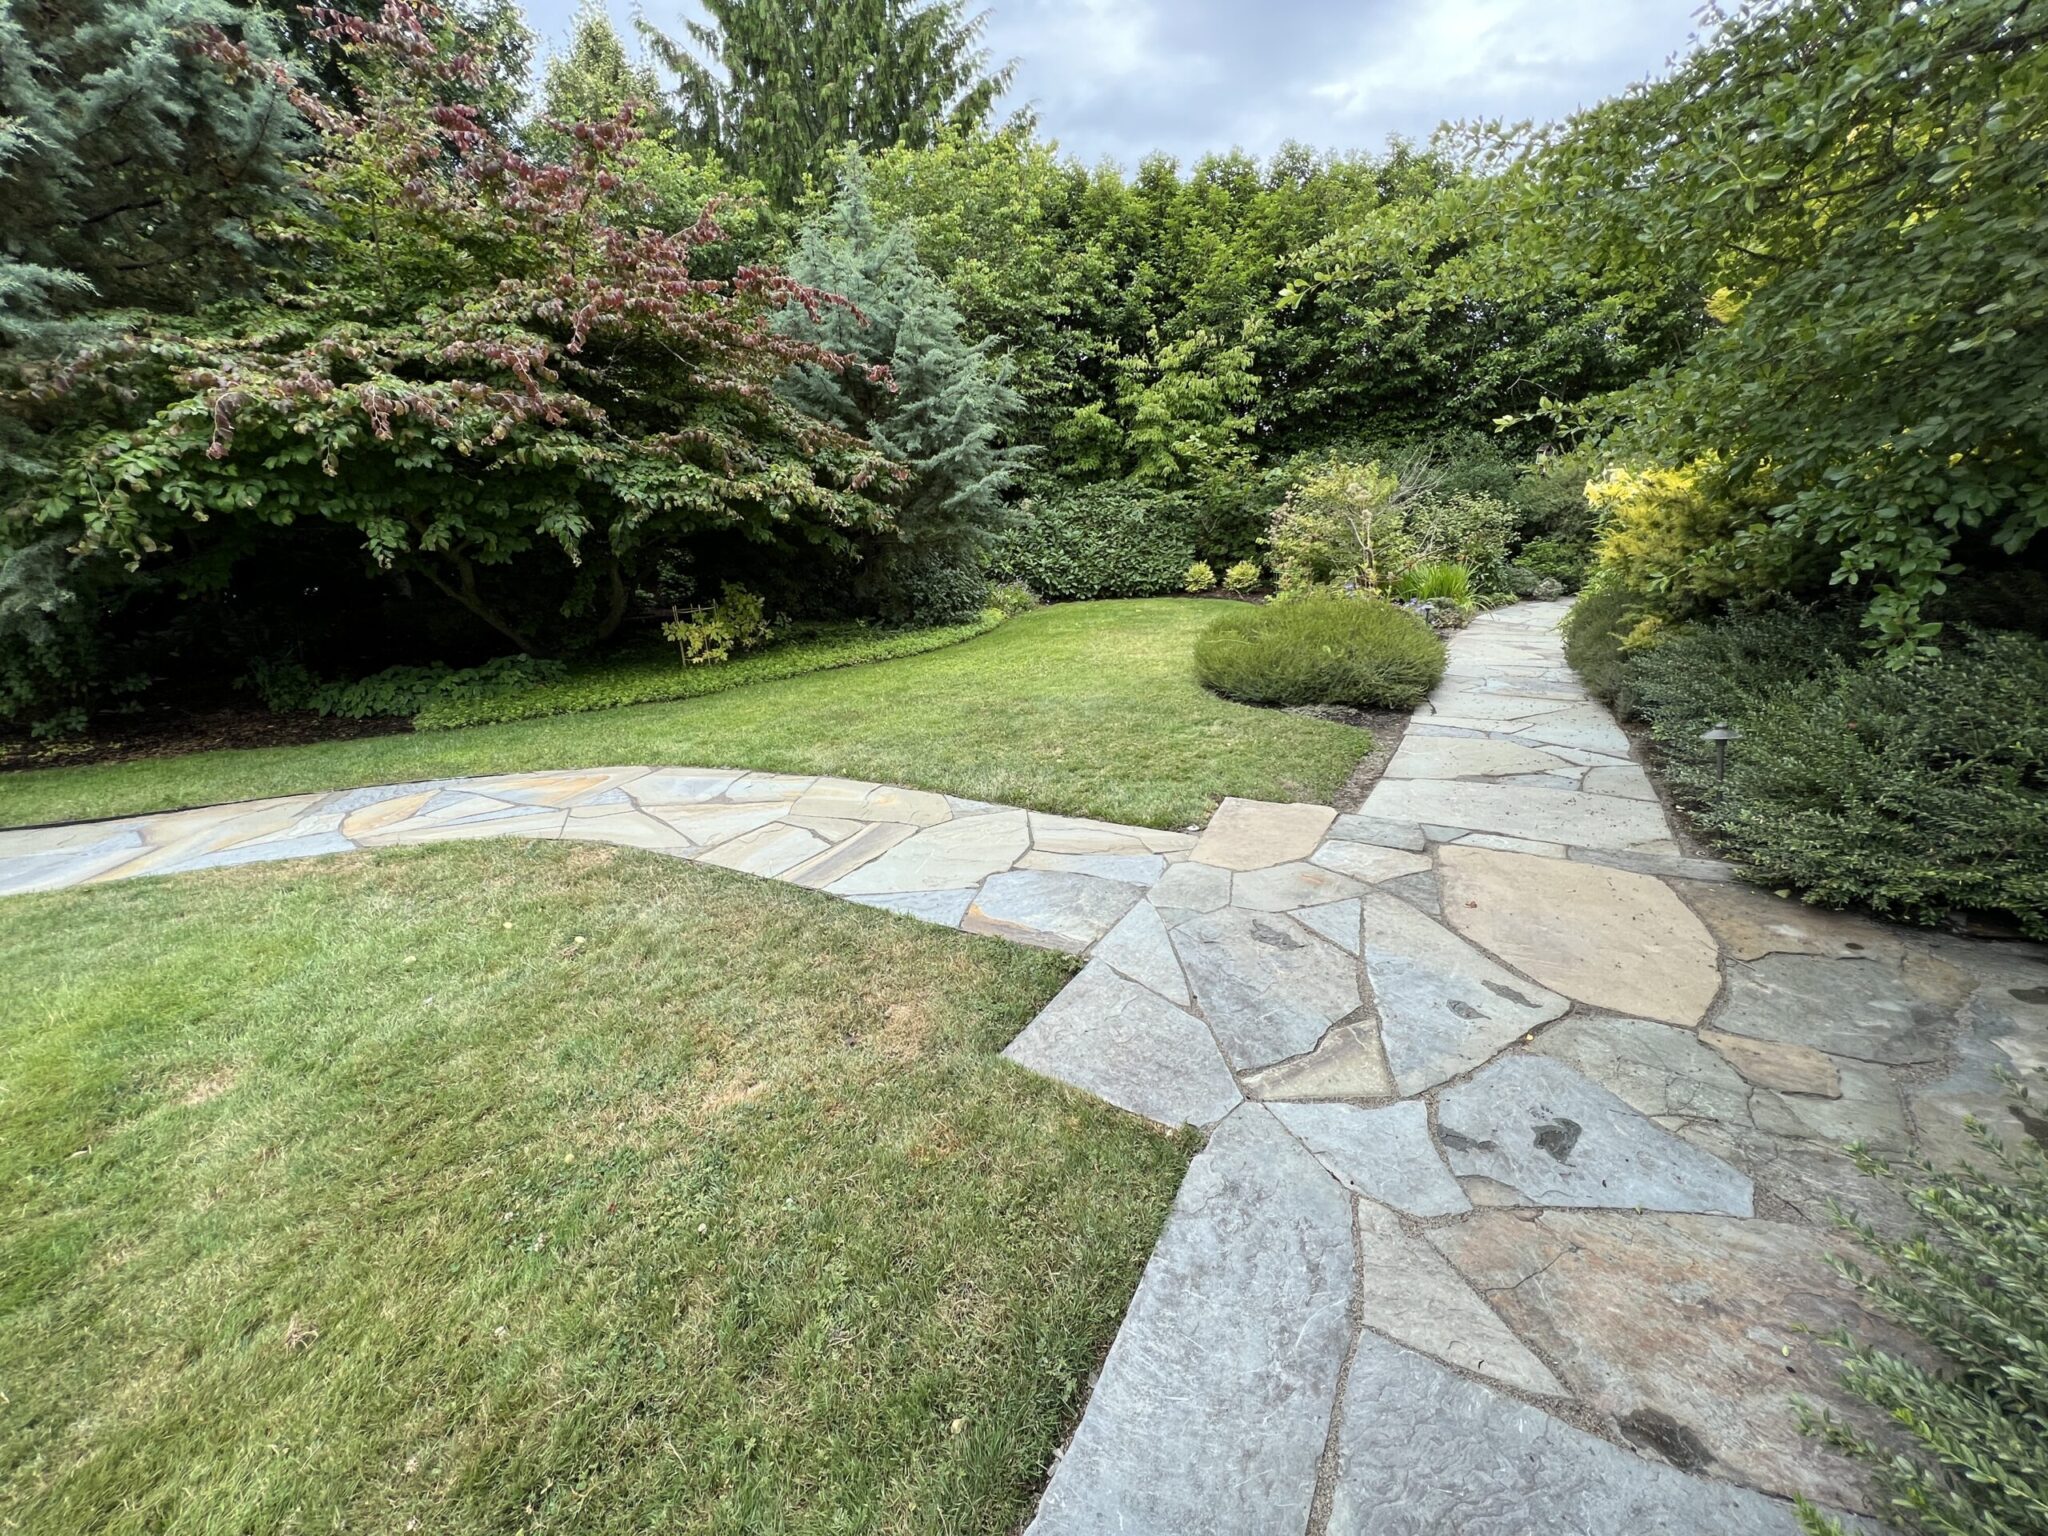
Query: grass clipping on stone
point(1321, 650)
point(518, 1186)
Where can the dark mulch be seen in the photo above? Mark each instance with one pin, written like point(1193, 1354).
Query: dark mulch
point(122, 741)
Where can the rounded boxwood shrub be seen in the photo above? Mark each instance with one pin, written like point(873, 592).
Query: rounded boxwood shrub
point(1321, 650)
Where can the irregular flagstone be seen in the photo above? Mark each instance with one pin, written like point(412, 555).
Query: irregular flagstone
point(1772, 1064)
point(1076, 834)
point(1547, 815)
point(1453, 757)
point(918, 807)
point(1867, 1108)
point(1269, 988)
point(1131, 868)
point(1347, 1064)
point(1421, 891)
point(1660, 1070)
point(1138, 946)
point(766, 850)
point(1538, 1127)
point(1667, 865)
point(1855, 1008)
point(946, 908)
point(952, 854)
point(1124, 1043)
point(1256, 834)
point(1369, 862)
point(659, 786)
point(1603, 936)
point(1629, 782)
point(710, 823)
point(2004, 1029)
point(1752, 923)
point(1424, 1452)
point(1485, 704)
point(1408, 1292)
point(1444, 1008)
point(624, 826)
point(1593, 730)
point(524, 821)
point(843, 858)
point(1501, 844)
point(1384, 1154)
point(1706, 1328)
point(1285, 887)
point(1336, 921)
point(1376, 830)
point(1212, 1408)
point(1192, 887)
point(1053, 910)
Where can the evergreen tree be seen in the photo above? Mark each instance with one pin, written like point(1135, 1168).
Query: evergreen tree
point(593, 79)
point(941, 410)
point(778, 87)
point(139, 140)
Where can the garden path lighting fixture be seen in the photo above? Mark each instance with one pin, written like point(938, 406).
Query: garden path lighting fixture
point(1720, 735)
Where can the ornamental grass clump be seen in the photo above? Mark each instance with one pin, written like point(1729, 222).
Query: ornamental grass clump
point(1321, 649)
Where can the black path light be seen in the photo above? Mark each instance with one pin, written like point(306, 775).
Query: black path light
point(1720, 735)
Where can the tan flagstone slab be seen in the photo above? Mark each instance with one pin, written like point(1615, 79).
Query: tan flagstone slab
point(1775, 1064)
point(953, 854)
point(1752, 923)
point(870, 842)
point(1257, 834)
point(561, 789)
point(713, 822)
point(624, 827)
point(918, 807)
point(1346, 1064)
point(1604, 936)
point(836, 798)
point(529, 822)
point(766, 850)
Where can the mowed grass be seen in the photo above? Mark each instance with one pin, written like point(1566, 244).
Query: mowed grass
point(1087, 709)
point(515, 1187)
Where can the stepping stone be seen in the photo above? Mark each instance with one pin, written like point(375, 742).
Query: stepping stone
point(1269, 988)
point(1444, 1007)
point(1210, 1413)
point(1336, 921)
point(1192, 887)
point(1855, 1008)
point(1051, 910)
point(1539, 1128)
point(945, 857)
point(1121, 1042)
point(1771, 1064)
point(1369, 862)
point(1257, 834)
point(1657, 1069)
point(1347, 1064)
point(1701, 1338)
point(1422, 1451)
point(1412, 1295)
point(1285, 887)
point(1139, 947)
point(1385, 834)
point(1384, 1154)
point(1616, 940)
point(1513, 810)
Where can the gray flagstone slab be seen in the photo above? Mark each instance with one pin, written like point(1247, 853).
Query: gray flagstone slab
point(1269, 988)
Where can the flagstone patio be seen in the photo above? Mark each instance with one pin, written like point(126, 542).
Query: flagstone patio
point(1523, 1123)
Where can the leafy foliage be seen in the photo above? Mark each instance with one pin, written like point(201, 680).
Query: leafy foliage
point(400, 690)
point(941, 410)
point(778, 87)
point(1243, 576)
point(736, 622)
point(1911, 790)
point(504, 393)
point(1100, 541)
point(1199, 577)
point(1971, 1281)
point(1321, 649)
point(1442, 579)
point(1344, 525)
point(1852, 190)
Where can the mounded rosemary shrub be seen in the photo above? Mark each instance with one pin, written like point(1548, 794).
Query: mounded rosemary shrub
point(1972, 1282)
point(1321, 650)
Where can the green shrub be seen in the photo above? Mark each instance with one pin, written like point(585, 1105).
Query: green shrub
point(399, 690)
point(1243, 576)
point(1321, 649)
point(1913, 790)
point(1010, 598)
point(1972, 1283)
point(1467, 528)
point(1593, 632)
point(1100, 541)
point(653, 677)
point(1436, 578)
point(1563, 561)
point(738, 621)
point(1199, 578)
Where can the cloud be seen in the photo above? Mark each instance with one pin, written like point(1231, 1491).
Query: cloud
point(1121, 78)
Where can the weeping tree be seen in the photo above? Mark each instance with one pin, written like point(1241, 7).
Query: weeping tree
point(941, 410)
point(778, 87)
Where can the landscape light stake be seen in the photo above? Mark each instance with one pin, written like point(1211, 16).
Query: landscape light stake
point(1721, 734)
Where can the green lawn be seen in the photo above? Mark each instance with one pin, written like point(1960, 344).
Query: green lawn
point(1086, 709)
point(519, 1187)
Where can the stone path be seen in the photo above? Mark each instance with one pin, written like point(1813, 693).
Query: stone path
point(1513, 1213)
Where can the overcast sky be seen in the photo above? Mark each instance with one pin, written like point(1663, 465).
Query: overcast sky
point(1120, 78)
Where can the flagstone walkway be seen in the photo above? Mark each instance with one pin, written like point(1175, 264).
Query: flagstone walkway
point(1523, 1124)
